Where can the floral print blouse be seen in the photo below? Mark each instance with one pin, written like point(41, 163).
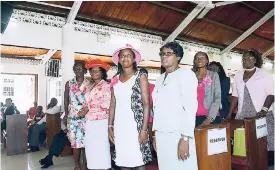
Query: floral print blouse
point(77, 96)
point(98, 101)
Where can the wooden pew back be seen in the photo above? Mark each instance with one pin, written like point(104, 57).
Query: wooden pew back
point(53, 124)
point(212, 162)
point(256, 149)
point(17, 142)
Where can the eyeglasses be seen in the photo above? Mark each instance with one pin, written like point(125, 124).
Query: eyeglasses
point(166, 54)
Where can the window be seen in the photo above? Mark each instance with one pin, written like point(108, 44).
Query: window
point(8, 87)
point(58, 88)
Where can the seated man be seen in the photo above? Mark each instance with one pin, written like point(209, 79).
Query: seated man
point(60, 140)
point(9, 110)
point(39, 115)
point(41, 126)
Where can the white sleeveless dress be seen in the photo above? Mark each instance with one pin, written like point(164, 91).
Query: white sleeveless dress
point(128, 151)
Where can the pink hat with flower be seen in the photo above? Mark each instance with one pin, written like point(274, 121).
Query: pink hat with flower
point(128, 46)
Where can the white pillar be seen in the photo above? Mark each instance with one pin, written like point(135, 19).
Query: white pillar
point(42, 86)
point(67, 59)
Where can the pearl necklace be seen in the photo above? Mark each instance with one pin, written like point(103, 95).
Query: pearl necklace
point(250, 69)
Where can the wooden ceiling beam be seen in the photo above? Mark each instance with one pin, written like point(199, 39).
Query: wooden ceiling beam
point(208, 20)
point(20, 5)
point(193, 14)
point(268, 52)
point(48, 4)
point(249, 31)
point(253, 8)
point(73, 12)
point(48, 56)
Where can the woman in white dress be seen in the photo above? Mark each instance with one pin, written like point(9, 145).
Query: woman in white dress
point(175, 106)
point(129, 112)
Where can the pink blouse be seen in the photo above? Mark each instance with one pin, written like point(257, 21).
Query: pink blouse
point(202, 111)
point(98, 101)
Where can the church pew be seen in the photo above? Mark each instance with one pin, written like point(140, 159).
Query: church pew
point(221, 161)
point(256, 149)
point(16, 136)
point(53, 124)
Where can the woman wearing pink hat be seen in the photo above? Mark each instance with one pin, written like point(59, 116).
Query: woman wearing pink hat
point(98, 99)
point(129, 111)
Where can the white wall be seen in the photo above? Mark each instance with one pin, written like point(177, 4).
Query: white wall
point(21, 67)
point(35, 33)
point(39, 36)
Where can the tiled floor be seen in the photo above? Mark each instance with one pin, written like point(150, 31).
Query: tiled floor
point(29, 161)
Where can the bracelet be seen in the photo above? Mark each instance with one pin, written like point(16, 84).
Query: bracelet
point(265, 109)
point(110, 126)
point(209, 118)
point(144, 131)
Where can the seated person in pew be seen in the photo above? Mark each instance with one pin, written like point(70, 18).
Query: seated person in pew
point(31, 112)
point(60, 140)
point(40, 126)
point(9, 110)
point(38, 116)
point(16, 111)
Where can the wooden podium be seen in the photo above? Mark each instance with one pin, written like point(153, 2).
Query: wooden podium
point(53, 124)
point(220, 161)
point(256, 149)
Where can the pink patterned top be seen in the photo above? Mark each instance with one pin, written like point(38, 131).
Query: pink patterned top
point(202, 111)
point(98, 101)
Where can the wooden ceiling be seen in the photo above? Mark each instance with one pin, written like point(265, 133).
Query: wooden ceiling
point(29, 53)
point(219, 28)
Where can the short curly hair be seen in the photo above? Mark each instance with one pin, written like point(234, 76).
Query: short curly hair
point(176, 47)
point(257, 55)
point(82, 64)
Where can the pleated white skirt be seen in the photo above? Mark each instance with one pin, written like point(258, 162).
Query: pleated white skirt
point(167, 152)
point(97, 146)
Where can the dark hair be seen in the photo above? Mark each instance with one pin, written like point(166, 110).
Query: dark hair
point(40, 107)
point(222, 74)
point(104, 73)
point(119, 66)
point(9, 99)
point(195, 68)
point(254, 53)
point(144, 70)
point(82, 65)
point(177, 49)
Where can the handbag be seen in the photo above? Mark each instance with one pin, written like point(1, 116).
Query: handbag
point(239, 148)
